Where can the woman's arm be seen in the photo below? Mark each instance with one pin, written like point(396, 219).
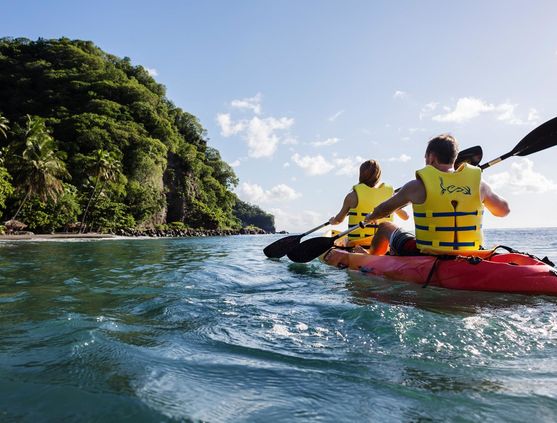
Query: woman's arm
point(350, 202)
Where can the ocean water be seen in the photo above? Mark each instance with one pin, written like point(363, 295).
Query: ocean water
point(208, 329)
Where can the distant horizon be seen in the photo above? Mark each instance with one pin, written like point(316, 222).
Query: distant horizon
point(486, 229)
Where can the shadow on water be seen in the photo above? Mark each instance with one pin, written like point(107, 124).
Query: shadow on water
point(366, 289)
point(305, 269)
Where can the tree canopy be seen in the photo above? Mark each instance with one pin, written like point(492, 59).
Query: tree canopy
point(108, 141)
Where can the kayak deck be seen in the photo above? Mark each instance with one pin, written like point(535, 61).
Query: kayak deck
point(509, 272)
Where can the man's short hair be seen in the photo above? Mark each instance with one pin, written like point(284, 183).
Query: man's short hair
point(445, 148)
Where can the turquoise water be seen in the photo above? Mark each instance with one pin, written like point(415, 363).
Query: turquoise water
point(208, 329)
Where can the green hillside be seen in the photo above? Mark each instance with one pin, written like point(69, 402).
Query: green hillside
point(88, 137)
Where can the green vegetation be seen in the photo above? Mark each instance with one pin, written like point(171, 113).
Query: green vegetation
point(87, 137)
point(251, 215)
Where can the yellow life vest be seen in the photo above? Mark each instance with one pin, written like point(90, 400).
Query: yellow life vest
point(368, 199)
point(449, 221)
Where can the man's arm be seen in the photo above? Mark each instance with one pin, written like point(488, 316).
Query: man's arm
point(497, 205)
point(412, 192)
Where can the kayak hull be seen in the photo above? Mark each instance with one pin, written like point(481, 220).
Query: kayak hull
point(512, 272)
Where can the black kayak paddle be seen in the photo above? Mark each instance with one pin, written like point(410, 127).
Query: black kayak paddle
point(282, 246)
point(472, 155)
point(314, 247)
point(540, 138)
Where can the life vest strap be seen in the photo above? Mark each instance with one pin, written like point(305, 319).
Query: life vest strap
point(447, 214)
point(359, 235)
point(422, 242)
point(447, 228)
point(455, 228)
point(457, 244)
point(446, 244)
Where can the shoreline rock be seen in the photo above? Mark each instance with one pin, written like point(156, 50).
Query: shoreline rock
point(135, 233)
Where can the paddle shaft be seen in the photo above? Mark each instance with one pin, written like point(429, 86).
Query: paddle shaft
point(362, 225)
point(501, 158)
point(314, 229)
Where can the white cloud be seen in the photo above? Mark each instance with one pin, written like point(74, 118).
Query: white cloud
point(428, 109)
point(313, 165)
point(468, 108)
point(286, 164)
point(318, 165)
point(400, 94)
point(521, 178)
point(290, 141)
point(349, 166)
point(533, 116)
point(402, 158)
point(506, 114)
point(235, 163)
point(260, 133)
point(152, 71)
point(254, 193)
point(298, 221)
point(328, 141)
point(251, 103)
point(261, 137)
point(335, 116)
point(227, 128)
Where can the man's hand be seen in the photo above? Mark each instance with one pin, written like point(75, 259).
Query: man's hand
point(367, 219)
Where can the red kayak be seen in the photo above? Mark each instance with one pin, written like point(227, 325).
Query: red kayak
point(512, 272)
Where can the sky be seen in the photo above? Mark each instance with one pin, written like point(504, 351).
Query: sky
point(296, 94)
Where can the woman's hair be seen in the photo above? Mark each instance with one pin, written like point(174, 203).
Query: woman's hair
point(445, 147)
point(370, 172)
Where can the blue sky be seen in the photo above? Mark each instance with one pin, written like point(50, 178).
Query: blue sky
point(295, 94)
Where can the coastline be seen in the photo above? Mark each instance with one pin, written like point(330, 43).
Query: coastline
point(152, 233)
point(31, 237)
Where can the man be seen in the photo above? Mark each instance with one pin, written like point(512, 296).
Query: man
point(363, 199)
point(447, 204)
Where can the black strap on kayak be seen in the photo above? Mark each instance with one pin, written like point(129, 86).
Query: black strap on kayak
point(513, 251)
point(471, 260)
point(474, 260)
point(547, 261)
point(506, 248)
point(430, 275)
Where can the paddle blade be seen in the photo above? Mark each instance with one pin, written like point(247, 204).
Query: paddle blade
point(310, 249)
point(282, 246)
point(544, 136)
point(472, 155)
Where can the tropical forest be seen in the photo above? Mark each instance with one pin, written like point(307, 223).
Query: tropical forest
point(90, 142)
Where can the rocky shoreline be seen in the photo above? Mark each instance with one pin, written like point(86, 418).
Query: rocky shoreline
point(174, 233)
point(134, 233)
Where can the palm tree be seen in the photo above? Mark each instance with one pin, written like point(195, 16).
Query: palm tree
point(4, 132)
point(106, 168)
point(42, 165)
point(4, 126)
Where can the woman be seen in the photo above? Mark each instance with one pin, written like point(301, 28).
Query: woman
point(363, 199)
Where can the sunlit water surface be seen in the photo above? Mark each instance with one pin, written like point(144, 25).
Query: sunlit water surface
point(208, 329)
